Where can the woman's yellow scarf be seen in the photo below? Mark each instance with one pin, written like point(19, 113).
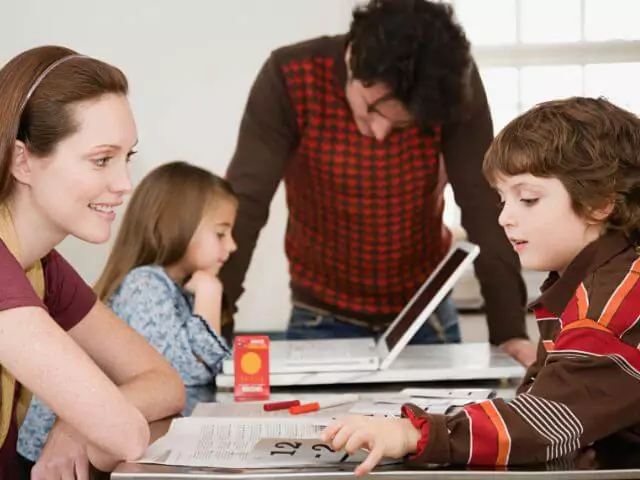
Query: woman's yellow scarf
point(8, 385)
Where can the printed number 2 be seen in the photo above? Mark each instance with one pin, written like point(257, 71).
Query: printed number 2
point(320, 447)
point(293, 446)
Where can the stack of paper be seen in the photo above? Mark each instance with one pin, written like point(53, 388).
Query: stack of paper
point(433, 400)
point(470, 394)
point(245, 443)
point(390, 407)
point(239, 435)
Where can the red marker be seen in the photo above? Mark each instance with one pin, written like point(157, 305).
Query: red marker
point(273, 406)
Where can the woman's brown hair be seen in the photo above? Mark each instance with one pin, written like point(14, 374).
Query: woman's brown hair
point(38, 89)
point(161, 218)
point(591, 145)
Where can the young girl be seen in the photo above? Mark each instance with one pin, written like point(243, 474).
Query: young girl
point(568, 173)
point(66, 135)
point(161, 278)
point(162, 274)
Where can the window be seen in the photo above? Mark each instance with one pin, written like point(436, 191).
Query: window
point(534, 50)
point(530, 51)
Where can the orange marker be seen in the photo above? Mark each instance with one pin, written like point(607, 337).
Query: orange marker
point(327, 403)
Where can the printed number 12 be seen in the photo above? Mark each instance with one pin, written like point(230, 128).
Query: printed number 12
point(294, 446)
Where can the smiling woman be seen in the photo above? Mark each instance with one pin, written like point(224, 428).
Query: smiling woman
point(94, 174)
point(66, 134)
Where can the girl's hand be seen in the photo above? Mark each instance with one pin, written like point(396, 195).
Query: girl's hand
point(207, 289)
point(382, 437)
point(203, 282)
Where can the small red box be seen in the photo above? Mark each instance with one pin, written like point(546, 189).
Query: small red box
point(251, 368)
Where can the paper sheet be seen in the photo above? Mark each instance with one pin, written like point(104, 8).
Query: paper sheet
point(230, 443)
point(469, 394)
point(389, 405)
point(303, 452)
point(238, 410)
point(254, 410)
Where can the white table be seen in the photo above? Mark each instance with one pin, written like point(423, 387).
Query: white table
point(417, 363)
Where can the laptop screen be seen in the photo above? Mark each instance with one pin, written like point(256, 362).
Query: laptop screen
point(429, 290)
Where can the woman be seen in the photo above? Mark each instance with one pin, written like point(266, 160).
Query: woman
point(66, 135)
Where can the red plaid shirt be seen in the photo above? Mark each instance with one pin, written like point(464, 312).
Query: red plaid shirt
point(365, 217)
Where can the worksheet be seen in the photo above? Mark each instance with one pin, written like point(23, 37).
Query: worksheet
point(304, 451)
point(245, 443)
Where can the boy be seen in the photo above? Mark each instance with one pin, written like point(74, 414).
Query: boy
point(568, 173)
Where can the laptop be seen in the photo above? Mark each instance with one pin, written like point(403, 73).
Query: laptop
point(366, 354)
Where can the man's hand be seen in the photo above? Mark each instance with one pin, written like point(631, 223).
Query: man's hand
point(586, 459)
point(381, 437)
point(64, 456)
point(522, 350)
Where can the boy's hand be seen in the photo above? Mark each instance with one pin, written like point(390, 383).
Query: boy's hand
point(382, 437)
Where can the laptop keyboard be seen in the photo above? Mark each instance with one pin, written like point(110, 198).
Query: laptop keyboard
point(321, 351)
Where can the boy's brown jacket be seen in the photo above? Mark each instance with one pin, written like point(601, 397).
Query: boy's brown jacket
point(585, 383)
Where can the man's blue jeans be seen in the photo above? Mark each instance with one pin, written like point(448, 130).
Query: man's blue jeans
point(441, 327)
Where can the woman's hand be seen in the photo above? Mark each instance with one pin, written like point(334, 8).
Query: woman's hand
point(64, 456)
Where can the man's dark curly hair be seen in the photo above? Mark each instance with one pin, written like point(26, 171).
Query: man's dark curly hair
point(417, 48)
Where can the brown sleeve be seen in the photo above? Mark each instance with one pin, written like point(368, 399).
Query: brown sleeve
point(68, 297)
point(497, 266)
point(268, 135)
point(533, 369)
point(588, 390)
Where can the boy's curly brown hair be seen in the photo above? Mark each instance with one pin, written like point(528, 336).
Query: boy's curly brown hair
point(591, 145)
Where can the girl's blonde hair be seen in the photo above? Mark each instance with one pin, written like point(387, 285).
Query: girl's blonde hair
point(161, 218)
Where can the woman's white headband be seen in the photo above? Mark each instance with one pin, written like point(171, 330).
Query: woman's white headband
point(43, 75)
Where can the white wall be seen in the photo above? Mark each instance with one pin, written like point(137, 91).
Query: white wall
point(190, 64)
